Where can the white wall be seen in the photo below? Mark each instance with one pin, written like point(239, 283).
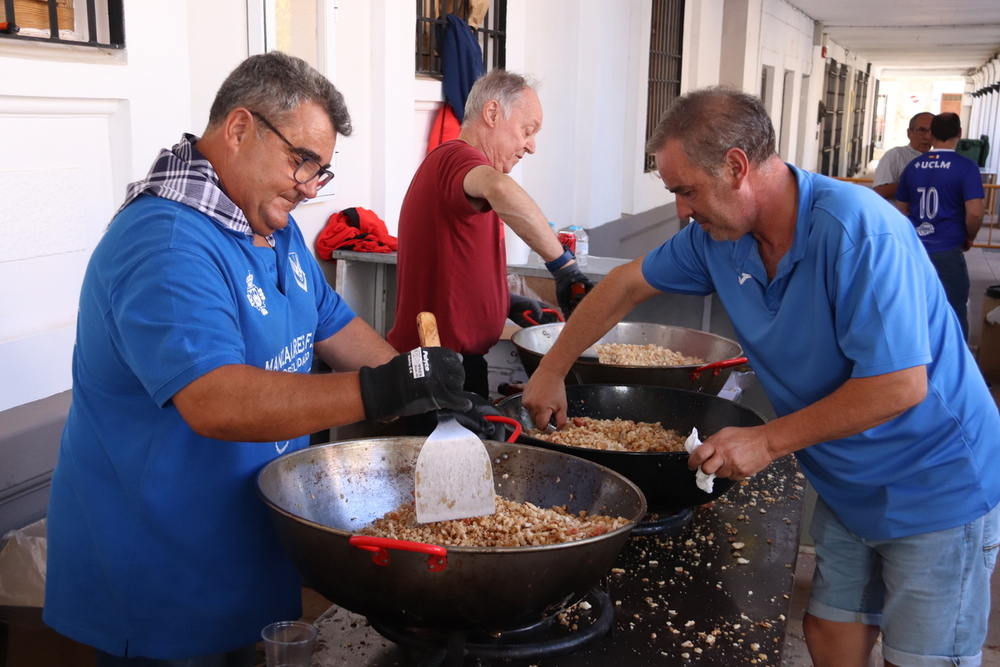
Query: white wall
point(575, 174)
point(80, 124)
point(786, 48)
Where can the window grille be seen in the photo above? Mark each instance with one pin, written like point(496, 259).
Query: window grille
point(491, 32)
point(878, 119)
point(665, 49)
point(88, 22)
point(857, 158)
point(833, 119)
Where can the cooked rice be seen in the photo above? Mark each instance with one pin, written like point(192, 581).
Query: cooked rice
point(629, 354)
point(620, 435)
point(514, 525)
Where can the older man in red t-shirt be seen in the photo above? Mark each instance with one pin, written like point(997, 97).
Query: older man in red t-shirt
point(452, 260)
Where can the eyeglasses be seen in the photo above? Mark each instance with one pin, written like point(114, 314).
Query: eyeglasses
point(307, 168)
point(921, 130)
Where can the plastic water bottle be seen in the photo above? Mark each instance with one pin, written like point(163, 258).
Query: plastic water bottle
point(582, 244)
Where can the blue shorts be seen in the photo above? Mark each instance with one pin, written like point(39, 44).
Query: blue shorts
point(929, 593)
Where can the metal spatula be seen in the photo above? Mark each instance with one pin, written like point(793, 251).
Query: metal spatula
point(454, 476)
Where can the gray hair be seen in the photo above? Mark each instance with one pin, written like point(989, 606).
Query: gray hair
point(500, 85)
point(711, 121)
point(274, 84)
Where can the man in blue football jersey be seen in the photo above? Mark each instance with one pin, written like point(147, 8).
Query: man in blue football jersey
point(941, 192)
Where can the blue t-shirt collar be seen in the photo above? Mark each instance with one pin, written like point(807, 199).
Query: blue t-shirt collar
point(747, 255)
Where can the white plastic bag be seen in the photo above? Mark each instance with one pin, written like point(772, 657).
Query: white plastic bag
point(993, 317)
point(22, 566)
point(705, 482)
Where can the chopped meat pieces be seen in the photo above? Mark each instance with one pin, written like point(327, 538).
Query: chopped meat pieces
point(514, 525)
point(630, 354)
point(620, 435)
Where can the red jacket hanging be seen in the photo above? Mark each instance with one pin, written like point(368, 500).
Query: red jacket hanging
point(355, 229)
point(445, 127)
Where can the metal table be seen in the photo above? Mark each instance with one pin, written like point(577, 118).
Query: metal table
point(717, 594)
point(367, 281)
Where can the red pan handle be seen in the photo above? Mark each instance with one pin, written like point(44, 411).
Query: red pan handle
point(379, 546)
point(717, 366)
point(553, 311)
point(510, 422)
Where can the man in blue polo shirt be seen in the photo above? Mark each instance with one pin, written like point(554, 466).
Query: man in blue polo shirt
point(941, 192)
point(200, 316)
point(845, 322)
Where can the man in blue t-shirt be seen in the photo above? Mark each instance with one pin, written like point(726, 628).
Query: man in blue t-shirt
point(847, 327)
point(941, 192)
point(201, 314)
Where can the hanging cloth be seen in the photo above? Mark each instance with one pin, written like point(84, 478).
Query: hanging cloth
point(445, 127)
point(461, 62)
point(356, 229)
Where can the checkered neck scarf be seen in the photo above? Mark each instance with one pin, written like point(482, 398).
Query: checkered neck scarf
point(184, 175)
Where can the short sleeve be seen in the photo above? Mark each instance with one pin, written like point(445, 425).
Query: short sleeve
point(457, 160)
point(883, 173)
point(173, 320)
point(882, 327)
point(972, 187)
point(334, 313)
point(679, 264)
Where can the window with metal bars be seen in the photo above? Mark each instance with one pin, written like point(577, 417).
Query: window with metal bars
point(665, 48)
point(98, 23)
point(858, 154)
point(487, 17)
point(833, 119)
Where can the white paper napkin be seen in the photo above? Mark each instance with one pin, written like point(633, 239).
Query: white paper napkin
point(705, 482)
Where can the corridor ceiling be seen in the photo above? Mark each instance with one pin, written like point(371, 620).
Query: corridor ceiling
point(946, 37)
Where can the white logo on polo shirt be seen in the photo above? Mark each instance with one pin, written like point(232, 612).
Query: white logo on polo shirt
point(255, 295)
point(745, 277)
point(281, 446)
point(300, 275)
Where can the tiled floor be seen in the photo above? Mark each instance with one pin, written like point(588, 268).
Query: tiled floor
point(984, 270)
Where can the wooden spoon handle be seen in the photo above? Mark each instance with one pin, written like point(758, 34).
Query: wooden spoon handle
point(427, 329)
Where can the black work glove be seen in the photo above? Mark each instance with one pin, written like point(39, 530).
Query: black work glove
point(519, 304)
point(426, 378)
point(571, 287)
point(473, 418)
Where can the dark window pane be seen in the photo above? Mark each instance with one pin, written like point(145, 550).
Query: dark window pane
point(665, 48)
point(491, 32)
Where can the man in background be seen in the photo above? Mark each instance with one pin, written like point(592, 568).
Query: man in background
point(895, 159)
point(941, 192)
point(452, 260)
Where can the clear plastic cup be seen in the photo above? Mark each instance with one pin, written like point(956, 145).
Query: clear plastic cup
point(289, 643)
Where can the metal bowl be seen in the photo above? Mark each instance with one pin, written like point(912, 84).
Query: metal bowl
point(720, 355)
point(320, 496)
point(666, 481)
